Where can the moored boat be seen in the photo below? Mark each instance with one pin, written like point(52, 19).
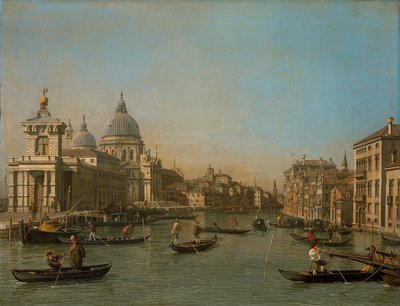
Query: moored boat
point(49, 232)
point(66, 273)
point(192, 246)
point(322, 242)
point(103, 241)
point(330, 276)
point(390, 240)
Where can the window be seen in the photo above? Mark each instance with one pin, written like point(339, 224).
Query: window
point(376, 188)
point(123, 156)
point(369, 210)
point(42, 146)
point(370, 163)
point(369, 190)
point(376, 208)
point(376, 162)
point(131, 154)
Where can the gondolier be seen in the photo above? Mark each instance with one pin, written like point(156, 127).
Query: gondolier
point(315, 259)
point(176, 229)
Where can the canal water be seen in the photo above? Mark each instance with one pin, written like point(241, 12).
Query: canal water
point(231, 273)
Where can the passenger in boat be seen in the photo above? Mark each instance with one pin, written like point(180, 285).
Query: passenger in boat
point(127, 231)
point(92, 229)
point(196, 231)
point(311, 236)
point(232, 220)
point(215, 225)
point(176, 229)
point(278, 220)
point(315, 259)
point(45, 217)
point(336, 236)
point(329, 229)
point(55, 262)
point(76, 254)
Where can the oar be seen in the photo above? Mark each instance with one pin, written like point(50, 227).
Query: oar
point(100, 238)
point(267, 258)
point(343, 292)
point(58, 274)
point(345, 281)
point(193, 247)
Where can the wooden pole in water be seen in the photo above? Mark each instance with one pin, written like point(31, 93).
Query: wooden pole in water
point(144, 235)
point(22, 230)
point(10, 231)
point(267, 258)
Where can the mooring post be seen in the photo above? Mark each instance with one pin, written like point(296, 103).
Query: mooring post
point(22, 230)
point(10, 232)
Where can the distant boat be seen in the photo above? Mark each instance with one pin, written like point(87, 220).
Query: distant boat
point(330, 276)
point(103, 241)
point(322, 242)
point(49, 232)
point(390, 240)
point(233, 231)
point(50, 275)
point(173, 217)
point(259, 225)
point(192, 246)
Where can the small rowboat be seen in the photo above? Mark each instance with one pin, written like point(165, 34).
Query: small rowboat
point(322, 242)
point(50, 275)
point(233, 231)
point(192, 246)
point(390, 240)
point(103, 241)
point(330, 276)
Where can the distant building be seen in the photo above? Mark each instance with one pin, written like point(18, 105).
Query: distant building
point(372, 156)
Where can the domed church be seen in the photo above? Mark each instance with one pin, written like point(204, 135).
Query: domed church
point(122, 140)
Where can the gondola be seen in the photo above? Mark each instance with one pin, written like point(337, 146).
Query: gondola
point(192, 217)
point(36, 235)
point(330, 276)
point(192, 246)
point(259, 225)
point(390, 240)
point(233, 231)
point(322, 242)
point(104, 241)
point(50, 275)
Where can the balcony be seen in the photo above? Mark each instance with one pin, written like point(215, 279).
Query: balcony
point(359, 198)
point(359, 174)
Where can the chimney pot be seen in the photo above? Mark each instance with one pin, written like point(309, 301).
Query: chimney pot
point(389, 121)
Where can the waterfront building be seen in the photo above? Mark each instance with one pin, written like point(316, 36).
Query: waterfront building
point(122, 140)
point(372, 155)
point(392, 211)
point(47, 178)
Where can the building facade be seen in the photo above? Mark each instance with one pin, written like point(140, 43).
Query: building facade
point(371, 157)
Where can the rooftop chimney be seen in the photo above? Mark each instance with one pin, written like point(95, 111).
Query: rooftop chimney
point(389, 121)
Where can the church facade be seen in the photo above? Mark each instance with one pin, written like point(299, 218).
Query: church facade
point(53, 175)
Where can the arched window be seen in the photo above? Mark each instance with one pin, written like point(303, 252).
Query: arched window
point(107, 151)
point(131, 155)
point(42, 145)
point(112, 152)
point(123, 156)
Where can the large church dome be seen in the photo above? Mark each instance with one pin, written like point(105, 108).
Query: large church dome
point(84, 139)
point(122, 124)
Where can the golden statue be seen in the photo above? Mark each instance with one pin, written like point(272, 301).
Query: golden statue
point(43, 99)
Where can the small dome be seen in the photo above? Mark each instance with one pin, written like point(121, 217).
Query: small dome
point(122, 124)
point(83, 139)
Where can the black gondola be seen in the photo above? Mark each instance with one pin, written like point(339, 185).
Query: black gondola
point(103, 241)
point(390, 240)
point(192, 246)
point(50, 275)
point(322, 242)
point(259, 225)
point(330, 276)
point(233, 231)
point(36, 235)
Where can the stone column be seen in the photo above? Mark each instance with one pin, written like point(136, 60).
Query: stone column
point(26, 191)
point(20, 190)
point(45, 191)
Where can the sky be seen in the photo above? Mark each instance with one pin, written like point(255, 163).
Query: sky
point(242, 86)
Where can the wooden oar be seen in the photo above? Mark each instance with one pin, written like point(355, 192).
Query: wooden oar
point(58, 274)
point(343, 292)
point(193, 247)
point(267, 258)
point(100, 239)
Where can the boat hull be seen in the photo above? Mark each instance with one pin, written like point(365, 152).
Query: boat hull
point(34, 235)
point(104, 241)
point(390, 241)
point(320, 241)
point(330, 276)
point(221, 230)
point(50, 275)
point(193, 247)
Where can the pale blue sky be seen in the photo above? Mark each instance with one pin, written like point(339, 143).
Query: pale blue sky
point(240, 85)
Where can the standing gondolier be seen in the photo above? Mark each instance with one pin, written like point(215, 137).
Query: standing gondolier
point(176, 229)
point(76, 254)
point(92, 229)
point(196, 231)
